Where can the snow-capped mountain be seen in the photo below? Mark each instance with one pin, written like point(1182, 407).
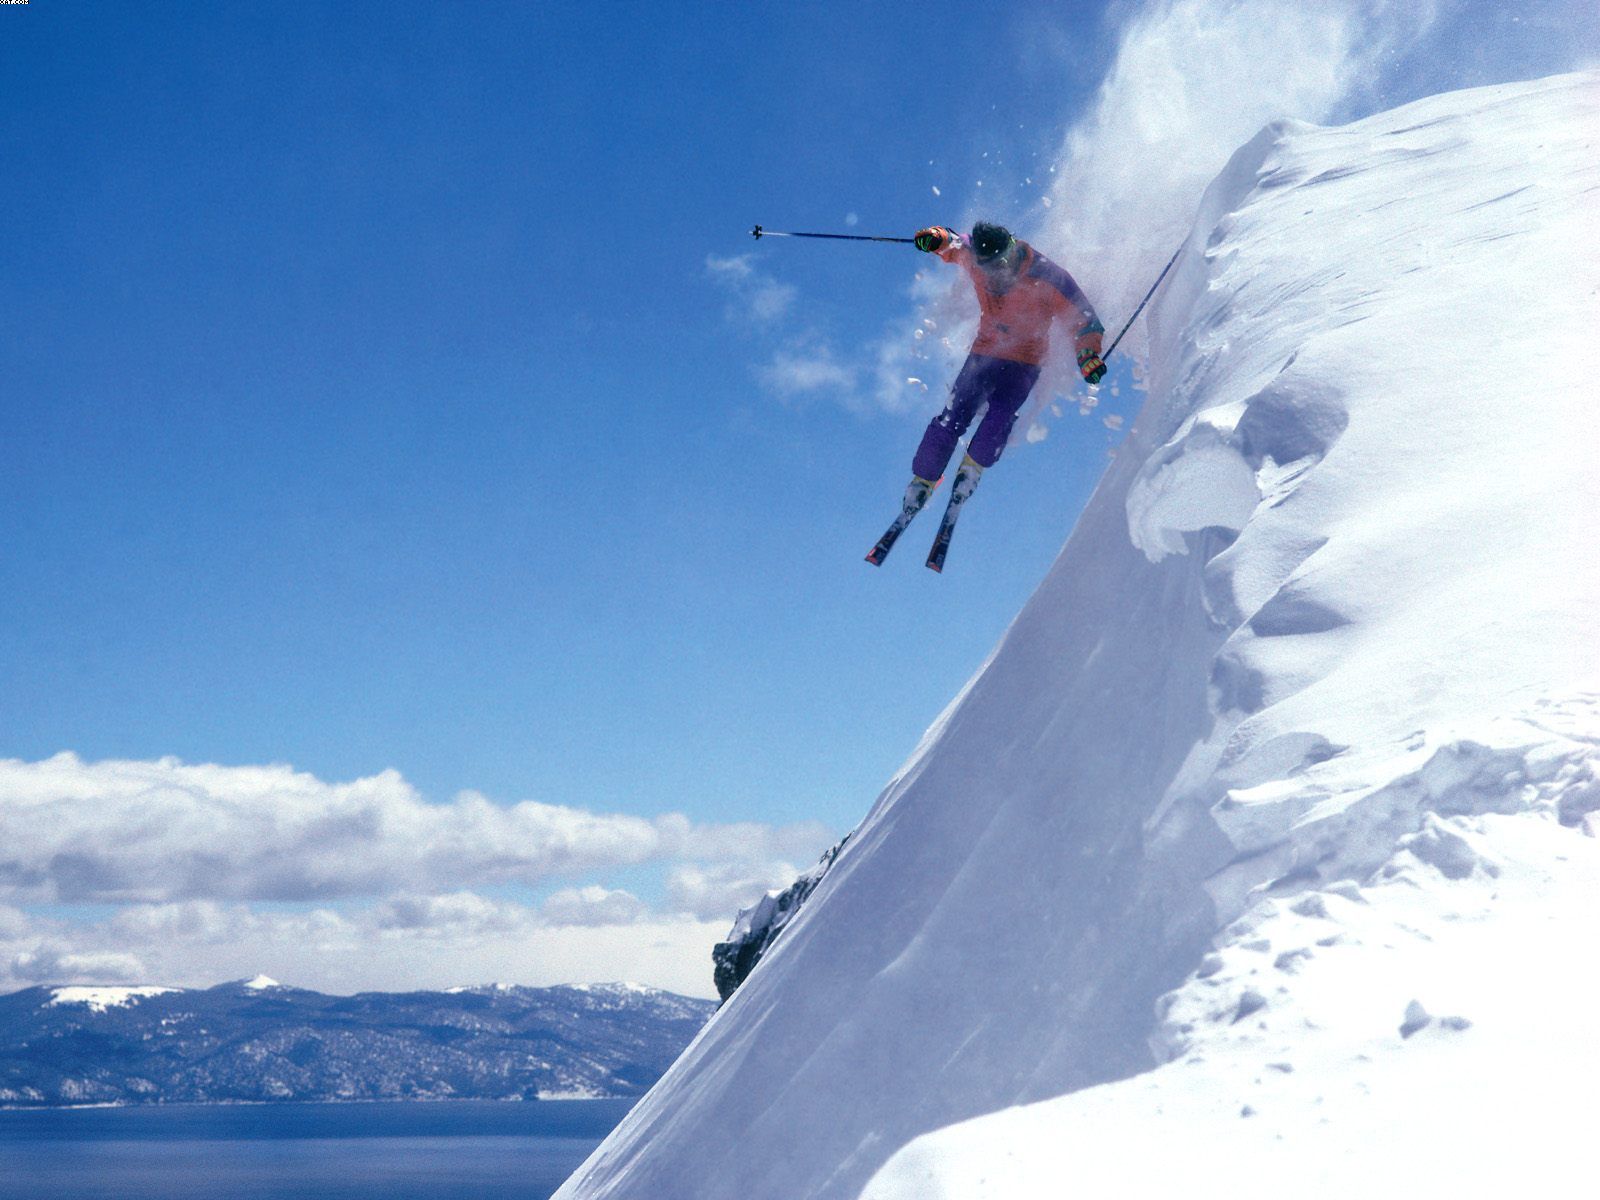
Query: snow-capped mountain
point(1254, 857)
point(98, 999)
point(260, 1040)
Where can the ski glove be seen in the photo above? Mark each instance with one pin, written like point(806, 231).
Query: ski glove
point(933, 239)
point(1091, 365)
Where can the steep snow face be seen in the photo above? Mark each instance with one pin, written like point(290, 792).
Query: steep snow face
point(1378, 371)
point(1299, 731)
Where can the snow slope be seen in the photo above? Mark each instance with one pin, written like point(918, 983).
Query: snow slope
point(1291, 751)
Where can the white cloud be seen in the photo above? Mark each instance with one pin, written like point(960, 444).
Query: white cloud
point(709, 892)
point(457, 914)
point(160, 831)
point(805, 367)
point(56, 964)
point(752, 844)
point(801, 359)
point(222, 872)
point(755, 295)
point(402, 944)
point(13, 923)
point(593, 905)
point(193, 920)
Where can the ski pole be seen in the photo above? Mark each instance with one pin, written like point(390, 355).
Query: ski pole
point(758, 233)
point(1145, 301)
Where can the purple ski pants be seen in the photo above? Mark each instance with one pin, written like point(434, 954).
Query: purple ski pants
point(998, 382)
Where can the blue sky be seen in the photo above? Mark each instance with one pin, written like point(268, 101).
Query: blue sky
point(395, 393)
point(370, 403)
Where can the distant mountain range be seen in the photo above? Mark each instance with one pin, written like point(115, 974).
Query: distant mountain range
point(258, 1040)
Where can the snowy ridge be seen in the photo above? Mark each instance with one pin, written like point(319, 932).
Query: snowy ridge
point(1298, 734)
point(98, 999)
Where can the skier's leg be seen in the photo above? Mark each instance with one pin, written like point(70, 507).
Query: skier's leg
point(967, 476)
point(917, 493)
point(966, 481)
point(1012, 382)
point(967, 395)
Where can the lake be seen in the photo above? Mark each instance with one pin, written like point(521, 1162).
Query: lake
point(414, 1151)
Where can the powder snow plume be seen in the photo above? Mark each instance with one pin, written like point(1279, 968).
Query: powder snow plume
point(1188, 81)
point(1184, 90)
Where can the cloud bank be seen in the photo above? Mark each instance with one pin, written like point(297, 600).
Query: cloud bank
point(401, 944)
point(127, 831)
point(216, 870)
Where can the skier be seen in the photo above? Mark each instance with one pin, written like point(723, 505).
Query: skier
point(1020, 292)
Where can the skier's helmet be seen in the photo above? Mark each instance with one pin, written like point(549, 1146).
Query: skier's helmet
point(989, 242)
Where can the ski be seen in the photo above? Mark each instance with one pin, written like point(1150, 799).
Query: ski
point(941, 540)
point(966, 481)
point(891, 535)
point(916, 496)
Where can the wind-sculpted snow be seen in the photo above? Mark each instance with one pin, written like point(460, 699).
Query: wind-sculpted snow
point(1297, 736)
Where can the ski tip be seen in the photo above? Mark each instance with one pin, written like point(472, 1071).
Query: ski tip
point(935, 566)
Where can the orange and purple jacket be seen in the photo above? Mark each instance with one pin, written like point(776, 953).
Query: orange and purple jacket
point(1016, 317)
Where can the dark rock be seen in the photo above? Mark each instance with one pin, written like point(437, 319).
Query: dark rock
point(757, 927)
